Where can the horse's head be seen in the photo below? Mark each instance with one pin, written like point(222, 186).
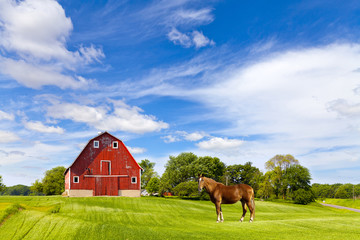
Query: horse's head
point(201, 183)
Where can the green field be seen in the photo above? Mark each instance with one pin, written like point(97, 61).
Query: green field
point(344, 202)
point(168, 218)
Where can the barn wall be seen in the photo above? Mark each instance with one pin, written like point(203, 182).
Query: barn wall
point(67, 183)
point(129, 193)
point(80, 193)
point(93, 163)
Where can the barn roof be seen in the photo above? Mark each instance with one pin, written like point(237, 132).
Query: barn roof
point(92, 140)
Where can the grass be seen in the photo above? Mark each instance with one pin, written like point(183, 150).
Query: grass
point(344, 202)
point(162, 218)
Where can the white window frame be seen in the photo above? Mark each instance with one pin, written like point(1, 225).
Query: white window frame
point(101, 161)
point(76, 177)
point(135, 180)
point(96, 144)
point(115, 143)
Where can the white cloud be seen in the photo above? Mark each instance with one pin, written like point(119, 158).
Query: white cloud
point(6, 116)
point(171, 138)
point(6, 137)
point(122, 118)
point(217, 143)
point(179, 38)
point(34, 51)
point(196, 39)
point(192, 17)
point(200, 40)
point(136, 150)
point(342, 107)
point(40, 127)
point(182, 135)
point(193, 137)
point(38, 75)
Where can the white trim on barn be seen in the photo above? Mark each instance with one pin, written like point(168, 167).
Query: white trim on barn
point(101, 161)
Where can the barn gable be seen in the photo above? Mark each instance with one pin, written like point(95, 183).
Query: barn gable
point(104, 167)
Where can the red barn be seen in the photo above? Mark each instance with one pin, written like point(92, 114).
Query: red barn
point(104, 167)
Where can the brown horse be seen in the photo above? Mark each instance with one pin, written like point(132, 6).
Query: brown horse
point(219, 193)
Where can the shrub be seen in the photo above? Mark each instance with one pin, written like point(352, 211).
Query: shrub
point(186, 189)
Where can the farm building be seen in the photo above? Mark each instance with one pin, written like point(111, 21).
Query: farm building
point(104, 167)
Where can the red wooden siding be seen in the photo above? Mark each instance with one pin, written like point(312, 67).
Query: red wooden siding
point(105, 169)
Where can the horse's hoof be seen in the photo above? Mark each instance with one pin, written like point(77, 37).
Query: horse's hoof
point(251, 220)
point(241, 219)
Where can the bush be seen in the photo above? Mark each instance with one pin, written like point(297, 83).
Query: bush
point(186, 189)
point(302, 196)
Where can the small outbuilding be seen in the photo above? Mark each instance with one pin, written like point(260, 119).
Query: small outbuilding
point(105, 167)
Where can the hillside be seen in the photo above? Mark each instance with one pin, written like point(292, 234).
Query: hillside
point(164, 218)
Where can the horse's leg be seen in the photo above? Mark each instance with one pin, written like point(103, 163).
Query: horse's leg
point(251, 205)
point(218, 210)
point(221, 215)
point(244, 210)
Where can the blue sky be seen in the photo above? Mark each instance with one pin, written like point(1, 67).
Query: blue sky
point(239, 80)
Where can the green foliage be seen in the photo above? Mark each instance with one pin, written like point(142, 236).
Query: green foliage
point(17, 190)
point(2, 186)
point(265, 187)
point(211, 167)
point(179, 169)
point(278, 166)
point(153, 185)
point(302, 196)
point(186, 189)
point(344, 191)
point(337, 190)
point(52, 184)
point(187, 166)
point(297, 177)
point(37, 188)
point(147, 173)
point(246, 173)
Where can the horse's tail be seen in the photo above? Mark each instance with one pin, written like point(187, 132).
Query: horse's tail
point(253, 201)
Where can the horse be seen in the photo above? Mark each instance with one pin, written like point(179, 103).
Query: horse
point(221, 194)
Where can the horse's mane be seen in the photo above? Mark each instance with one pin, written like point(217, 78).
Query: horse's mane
point(212, 181)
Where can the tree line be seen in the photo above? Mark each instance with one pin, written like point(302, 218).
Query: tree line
point(285, 177)
point(337, 190)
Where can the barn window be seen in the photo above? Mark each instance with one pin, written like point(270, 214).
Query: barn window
point(115, 144)
point(76, 179)
point(96, 144)
point(133, 180)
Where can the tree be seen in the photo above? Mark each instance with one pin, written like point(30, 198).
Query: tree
point(179, 169)
point(302, 196)
point(147, 173)
point(297, 177)
point(344, 191)
point(17, 190)
point(153, 185)
point(186, 167)
point(278, 166)
point(246, 173)
point(186, 189)
point(265, 188)
point(54, 181)
point(37, 188)
point(2, 186)
point(52, 184)
point(210, 167)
